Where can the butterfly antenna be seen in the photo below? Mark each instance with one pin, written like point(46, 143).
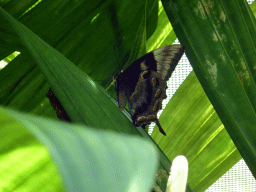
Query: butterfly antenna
point(159, 127)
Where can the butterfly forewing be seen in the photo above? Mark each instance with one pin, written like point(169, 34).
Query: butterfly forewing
point(167, 59)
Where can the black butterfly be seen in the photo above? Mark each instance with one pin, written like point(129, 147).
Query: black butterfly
point(143, 83)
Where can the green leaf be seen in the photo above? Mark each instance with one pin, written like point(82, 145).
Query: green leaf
point(24, 163)
point(164, 33)
point(88, 160)
point(220, 44)
point(96, 36)
point(194, 130)
point(80, 96)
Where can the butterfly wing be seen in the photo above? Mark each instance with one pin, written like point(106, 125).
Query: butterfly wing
point(136, 83)
point(126, 82)
point(147, 98)
point(167, 59)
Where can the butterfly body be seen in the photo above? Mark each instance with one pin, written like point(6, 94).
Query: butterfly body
point(144, 84)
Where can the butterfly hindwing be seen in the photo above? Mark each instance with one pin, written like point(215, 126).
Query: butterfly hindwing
point(144, 83)
point(147, 98)
point(127, 81)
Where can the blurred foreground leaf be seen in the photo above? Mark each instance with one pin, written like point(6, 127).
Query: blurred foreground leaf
point(88, 160)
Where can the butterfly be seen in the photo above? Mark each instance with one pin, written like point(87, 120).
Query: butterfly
point(143, 83)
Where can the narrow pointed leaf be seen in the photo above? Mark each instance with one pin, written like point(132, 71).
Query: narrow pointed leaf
point(80, 96)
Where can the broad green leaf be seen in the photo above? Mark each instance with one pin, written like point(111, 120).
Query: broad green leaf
point(88, 160)
point(220, 44)
point(194, 130)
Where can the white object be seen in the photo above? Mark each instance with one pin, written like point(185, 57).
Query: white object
point(177, 181)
